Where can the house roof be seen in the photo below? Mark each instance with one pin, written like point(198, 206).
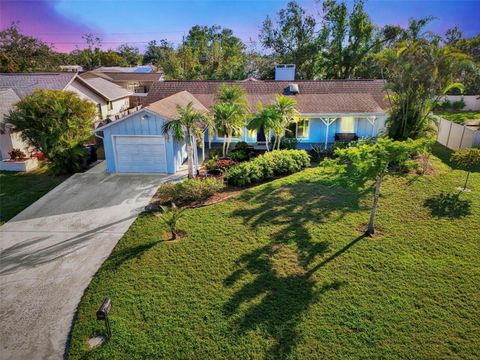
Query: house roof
point(107, 89)
point(123, 76)
point(8, 99)
point(329, 96)
point(166, 108)
point(24, 84)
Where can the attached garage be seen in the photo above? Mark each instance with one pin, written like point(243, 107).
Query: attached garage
point(136, 143)
point(140, 154)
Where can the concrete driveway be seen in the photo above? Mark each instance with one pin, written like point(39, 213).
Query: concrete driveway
point(51, 250)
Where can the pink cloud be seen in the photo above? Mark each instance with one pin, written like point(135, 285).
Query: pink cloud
point(40, 19)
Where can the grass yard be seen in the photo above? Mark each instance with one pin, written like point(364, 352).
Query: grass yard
point(282, 272)
point(459, 117)
point(19, 190)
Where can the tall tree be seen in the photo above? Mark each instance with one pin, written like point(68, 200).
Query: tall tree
point(292, 39)
point(21, 53)
point(111, 58)
point(185, 128)
point(469, 73)
point(347, 39)
point(90, 57)
point(419, 74)
point(57, 123)
point(131, 54)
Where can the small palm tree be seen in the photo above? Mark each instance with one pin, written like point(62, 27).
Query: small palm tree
point(287, 114)
point(229, 118)
point(231, 94)
point(230, 112)
point(264, 120)
point(188, 125)
point(170, 216)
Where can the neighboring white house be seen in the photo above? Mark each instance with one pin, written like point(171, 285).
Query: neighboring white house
point(9, 140)
point(109, 98)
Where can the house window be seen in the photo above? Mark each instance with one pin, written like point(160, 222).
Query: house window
point(109, 105)
point(347, 124)
point(236, 134)
point(298, 130)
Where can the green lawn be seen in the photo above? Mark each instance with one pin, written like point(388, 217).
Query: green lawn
point(459, 117)
point(19, 190)
point(282, 272)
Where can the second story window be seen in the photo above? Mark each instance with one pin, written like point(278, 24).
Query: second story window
point(109, 105)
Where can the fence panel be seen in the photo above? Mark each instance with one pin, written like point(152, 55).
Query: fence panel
point(456, 136)
point(443, 131)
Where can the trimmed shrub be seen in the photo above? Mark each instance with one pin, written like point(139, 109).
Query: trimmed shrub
point(219, 165)
point(189, 191)
point(268, 165)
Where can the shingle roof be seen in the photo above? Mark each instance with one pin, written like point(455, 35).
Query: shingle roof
point(108, 89)
point(329, 96)
point(167, 107)
point(122, 76)
point(24, 84)
point(8, 99)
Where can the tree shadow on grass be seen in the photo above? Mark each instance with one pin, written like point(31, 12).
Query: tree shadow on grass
point(448, 205)
point(283, 286)
point(122, 256)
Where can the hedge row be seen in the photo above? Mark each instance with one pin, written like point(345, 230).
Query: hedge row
point(188, 191)
point(268, 165)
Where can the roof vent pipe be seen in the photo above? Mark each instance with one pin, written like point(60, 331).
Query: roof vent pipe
point(293, 88)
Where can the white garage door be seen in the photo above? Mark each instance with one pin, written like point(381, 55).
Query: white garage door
point(140, 154)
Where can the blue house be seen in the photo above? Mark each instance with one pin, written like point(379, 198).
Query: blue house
point(330, 110)
point(136, 143)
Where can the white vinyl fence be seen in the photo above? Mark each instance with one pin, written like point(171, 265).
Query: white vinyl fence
point(472, 102)
point(456, 136)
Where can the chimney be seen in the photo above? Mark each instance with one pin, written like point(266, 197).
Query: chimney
point(285, 72)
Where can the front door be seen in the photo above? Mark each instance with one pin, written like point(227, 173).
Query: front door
point(261, 135)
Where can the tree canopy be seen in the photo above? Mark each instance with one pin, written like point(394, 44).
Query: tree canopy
point(57, 123)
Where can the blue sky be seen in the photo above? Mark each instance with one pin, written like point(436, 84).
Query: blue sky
point(62, 22)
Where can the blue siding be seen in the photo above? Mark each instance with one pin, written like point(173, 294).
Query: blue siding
point(135, 125)
point(317, 131)
point(364, 128)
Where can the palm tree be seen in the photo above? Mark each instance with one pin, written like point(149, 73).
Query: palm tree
point(419, 74)
point(232, 94)
point(275, 117)
point(229, 118)
point(286, 114)
point(230, 112)
point(187, 127)
point(264, 119)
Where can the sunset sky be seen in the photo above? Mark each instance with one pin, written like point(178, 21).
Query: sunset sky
point(62, 22)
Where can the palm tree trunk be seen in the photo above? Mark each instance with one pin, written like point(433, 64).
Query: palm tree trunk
point(279, 142)
point(371, 223)
point(224, 145)
point(190, 155)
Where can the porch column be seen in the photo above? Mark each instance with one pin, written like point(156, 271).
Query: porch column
point(327, 122)
point(371, 120)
